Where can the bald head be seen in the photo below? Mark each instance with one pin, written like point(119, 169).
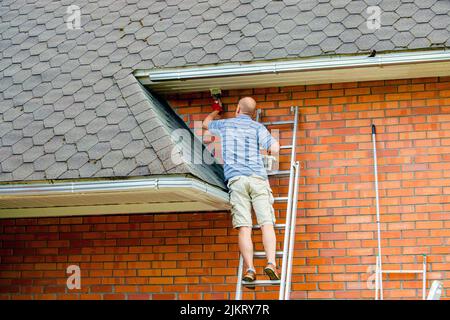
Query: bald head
point(247, 106)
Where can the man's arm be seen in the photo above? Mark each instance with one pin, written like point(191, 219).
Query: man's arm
point(210, 117)
point(267, 141)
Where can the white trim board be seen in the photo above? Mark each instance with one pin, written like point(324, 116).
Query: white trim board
point(333, 69)
point(144, 195)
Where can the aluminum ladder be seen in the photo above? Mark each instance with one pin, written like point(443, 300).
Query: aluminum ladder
point(289, 226)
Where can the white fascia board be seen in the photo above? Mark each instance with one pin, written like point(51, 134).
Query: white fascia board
point(106, 186)
point(46, 197)
point(30, 189)
point(308, 64)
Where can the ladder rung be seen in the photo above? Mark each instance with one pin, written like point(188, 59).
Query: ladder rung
point(261, 283)
point(289, 146)
point(278, 123)
point(262, 254)
point(402, 271)
point(278, 173)
point(277, 226)
point(280, 199)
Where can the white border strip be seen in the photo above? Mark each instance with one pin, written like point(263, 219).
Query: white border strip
point(37, 189)
point(309, 64)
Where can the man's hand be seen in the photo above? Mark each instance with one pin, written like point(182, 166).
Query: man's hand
point(217, 106)
point(274, 148)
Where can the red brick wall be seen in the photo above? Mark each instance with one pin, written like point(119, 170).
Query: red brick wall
point(195, 255)
point(164, 256)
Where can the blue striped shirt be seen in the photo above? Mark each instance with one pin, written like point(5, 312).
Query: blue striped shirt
point(241, 139)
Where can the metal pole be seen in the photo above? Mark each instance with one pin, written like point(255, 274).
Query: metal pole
point(424, 278)
point(289, 207)
point(380, 269)
point(238, 282)
point(293, 224)
point(376, 279)
point(380, 279)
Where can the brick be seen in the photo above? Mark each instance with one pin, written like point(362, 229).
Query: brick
point(177, 256)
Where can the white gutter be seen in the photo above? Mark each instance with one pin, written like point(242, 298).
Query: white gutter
point(309, 64)
point(37, 189)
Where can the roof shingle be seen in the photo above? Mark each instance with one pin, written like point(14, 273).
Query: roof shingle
point(70, 107)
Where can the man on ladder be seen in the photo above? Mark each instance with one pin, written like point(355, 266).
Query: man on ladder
point(241, 140)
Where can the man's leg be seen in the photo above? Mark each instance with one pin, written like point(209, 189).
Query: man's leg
point(242, 217)
point(262, 201)
point(246, 246)
point(269, 242)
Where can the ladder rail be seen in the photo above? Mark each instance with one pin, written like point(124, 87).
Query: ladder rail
point(239, 281)
point(291, 191)
point(286, 238)
point(293, 224)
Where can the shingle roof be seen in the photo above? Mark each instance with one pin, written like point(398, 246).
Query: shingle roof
point(70, 107)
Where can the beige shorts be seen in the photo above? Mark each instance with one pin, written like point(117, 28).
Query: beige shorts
point(247, 192)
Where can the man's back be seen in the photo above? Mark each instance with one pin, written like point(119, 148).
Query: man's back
point(241, 139)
